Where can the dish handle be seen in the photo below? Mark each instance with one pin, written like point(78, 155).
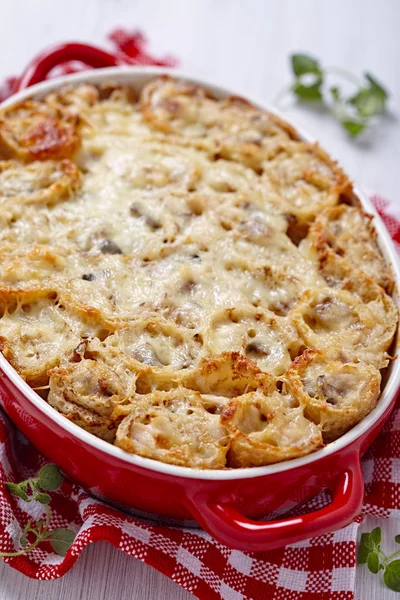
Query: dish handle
point(52, 57)
point(227, 525)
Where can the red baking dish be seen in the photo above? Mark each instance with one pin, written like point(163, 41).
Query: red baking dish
point(226, 503)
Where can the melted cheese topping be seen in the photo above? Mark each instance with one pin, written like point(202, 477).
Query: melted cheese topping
point(268, 429)
point(336, 395)
point(151, 273)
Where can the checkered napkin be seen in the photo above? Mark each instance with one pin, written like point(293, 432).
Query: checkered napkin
point(322, 568)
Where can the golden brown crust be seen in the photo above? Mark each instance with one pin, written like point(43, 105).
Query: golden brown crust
point(229, 374)
point(28, 132)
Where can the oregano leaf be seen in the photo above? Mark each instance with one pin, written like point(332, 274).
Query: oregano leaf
point(373, 562)
point(363, 549)
point(61, 540)
point(308, 92)
point(376, 536)
point(18, 490)
point(303, 64)
point(367, 103)
point(336, 95)
point(43, 498)
point(50, 478)
point(28, 526)
point(377, 87)
point(371, 99)
point(353, 127)
point(391, 576)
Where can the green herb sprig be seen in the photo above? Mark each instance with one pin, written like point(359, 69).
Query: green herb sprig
point(354, 112)
point(35, 490)
point(371, 554)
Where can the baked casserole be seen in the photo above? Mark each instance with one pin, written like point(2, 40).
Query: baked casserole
point(185, 278)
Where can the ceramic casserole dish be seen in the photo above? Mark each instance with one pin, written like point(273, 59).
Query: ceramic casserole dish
point(232, 504)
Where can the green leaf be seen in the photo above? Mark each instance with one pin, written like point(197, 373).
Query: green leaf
point(376, 536)
point(373, 562)
point(369, 544)
point(335, 91)
point(353, 127)
point(367, 103)
point(391, 576)
point(397, 539)
point(377, 87)
point(61, 540)
point(355, 112)
point(18, 489)
point(50, 478)
point(23, 539)
point(363, 549)
point(43, 498)
point(28, 526)
point(303, 64)
point(308, 92)
point(370, 100)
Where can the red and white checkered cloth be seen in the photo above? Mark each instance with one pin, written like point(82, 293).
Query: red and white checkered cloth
point(322, 568)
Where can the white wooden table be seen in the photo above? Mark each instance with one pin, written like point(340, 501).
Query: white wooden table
point(244, 44)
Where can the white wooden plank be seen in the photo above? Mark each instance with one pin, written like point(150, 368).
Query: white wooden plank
point(101, 573)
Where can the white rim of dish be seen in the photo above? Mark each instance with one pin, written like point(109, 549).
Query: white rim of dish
point(139, 75)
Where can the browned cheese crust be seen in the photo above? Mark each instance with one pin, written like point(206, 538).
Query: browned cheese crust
point(185, 278)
